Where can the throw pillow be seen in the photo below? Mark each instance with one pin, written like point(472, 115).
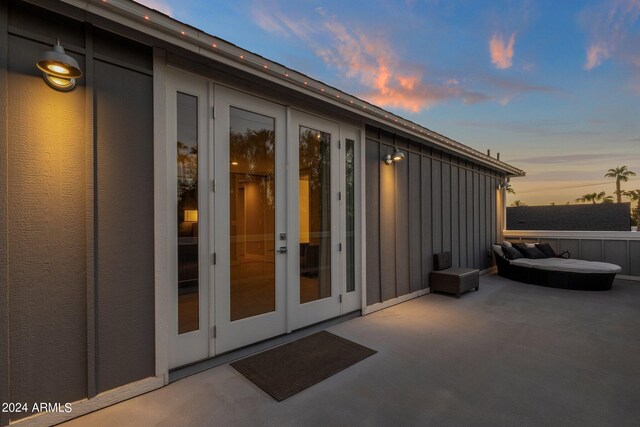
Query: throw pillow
point(511, 252)
point(546, 249)
point(532, 253)
point(498, 250)
point(507, 244)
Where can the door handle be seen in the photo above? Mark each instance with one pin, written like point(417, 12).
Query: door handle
point(282, 250)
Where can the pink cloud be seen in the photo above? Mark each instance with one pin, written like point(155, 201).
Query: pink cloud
point(369, 59)
point(501, 52)
point(596, 53)
point(609, 26)
point(388, 82)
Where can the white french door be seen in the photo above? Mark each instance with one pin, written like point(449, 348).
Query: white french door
point(263, 231)
point(251, 225)
point(314, 204)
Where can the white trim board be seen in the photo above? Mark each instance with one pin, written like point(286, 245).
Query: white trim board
point(395, 301)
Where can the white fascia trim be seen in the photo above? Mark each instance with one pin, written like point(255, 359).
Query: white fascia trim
point(163, 27)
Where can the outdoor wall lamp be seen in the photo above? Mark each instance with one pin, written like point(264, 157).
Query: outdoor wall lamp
point(396, 156)
point(59, 70)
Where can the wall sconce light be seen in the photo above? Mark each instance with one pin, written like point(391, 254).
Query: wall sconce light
point(59, 70)
point(396, 156)
point(503, 184)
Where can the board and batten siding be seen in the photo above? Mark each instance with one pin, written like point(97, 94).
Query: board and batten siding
point(429, 202)
point(76, 247)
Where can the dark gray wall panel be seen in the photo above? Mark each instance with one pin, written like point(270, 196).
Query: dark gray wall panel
point(476, 221)
point(427, 225)
point(615, 252)
point(446, 207)
point(571, 245)
point(462, 209)
point(493, 215)
point(590, 250)
point(402, 226)
point(46, 257)
point(387, 229)
point(125, 274)
point(455, 226)
point(634, 258)
point(372, 173)
point(470, 221)
point(482, 237)
point(415, 220)
point(436, 205)
point(4, 200)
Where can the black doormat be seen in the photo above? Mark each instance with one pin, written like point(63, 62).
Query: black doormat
point(286, 370)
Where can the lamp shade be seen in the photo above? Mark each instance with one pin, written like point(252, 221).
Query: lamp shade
point(397, 155)
point(190, 215)
point(58, 64)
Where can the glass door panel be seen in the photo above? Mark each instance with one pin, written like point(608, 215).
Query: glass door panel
point(314, 213)
point(252, 213)
point(187, 166)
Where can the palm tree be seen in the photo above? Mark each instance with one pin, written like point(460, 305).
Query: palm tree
point(595, 197)
point(518, 203)
point(587, 198)
point(621, 173)
point(509, 189)
point(634, 195)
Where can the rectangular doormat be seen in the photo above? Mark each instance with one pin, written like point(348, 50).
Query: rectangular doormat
point(290, 368)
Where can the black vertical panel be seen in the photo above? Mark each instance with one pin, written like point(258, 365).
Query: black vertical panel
point(372, 173)
point(436, 204)
point(455, 226)
point(387, 228)
point(462, 209)
point(415, 224)
point(470, 220)
point(427, 232)
point(402, 226)
point(488, 220)
point(446, 207)
point(124, 191)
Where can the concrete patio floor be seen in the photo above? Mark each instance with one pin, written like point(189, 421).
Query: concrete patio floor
point(509, 355)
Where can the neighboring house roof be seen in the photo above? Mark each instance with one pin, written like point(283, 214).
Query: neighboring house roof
point(598, 217)
point(156, 24)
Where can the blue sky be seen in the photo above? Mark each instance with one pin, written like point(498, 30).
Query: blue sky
point(554, 86)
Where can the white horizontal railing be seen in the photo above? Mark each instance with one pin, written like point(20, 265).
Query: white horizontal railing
point(616, 247)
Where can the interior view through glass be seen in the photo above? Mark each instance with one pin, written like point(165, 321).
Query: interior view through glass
point(187, 136)
point(315, 214)
point(252, 213)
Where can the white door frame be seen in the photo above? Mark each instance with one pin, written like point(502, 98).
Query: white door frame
point(234, 334)
point(191, 346)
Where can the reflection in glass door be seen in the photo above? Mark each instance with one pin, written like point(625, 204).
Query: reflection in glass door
point(187, 159)
point(252, 213)
point(314, 214)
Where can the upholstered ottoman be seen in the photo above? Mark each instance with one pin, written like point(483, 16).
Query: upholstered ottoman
point(452, 280)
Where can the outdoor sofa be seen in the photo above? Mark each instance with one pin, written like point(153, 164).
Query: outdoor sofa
point(538, 264)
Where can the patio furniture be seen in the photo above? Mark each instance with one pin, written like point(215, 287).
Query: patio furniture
point(555, 272)
point(452, 280)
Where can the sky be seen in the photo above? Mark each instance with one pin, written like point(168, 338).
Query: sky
point(553, 86)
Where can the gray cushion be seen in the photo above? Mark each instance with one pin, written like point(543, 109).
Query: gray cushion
point(441, 260)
